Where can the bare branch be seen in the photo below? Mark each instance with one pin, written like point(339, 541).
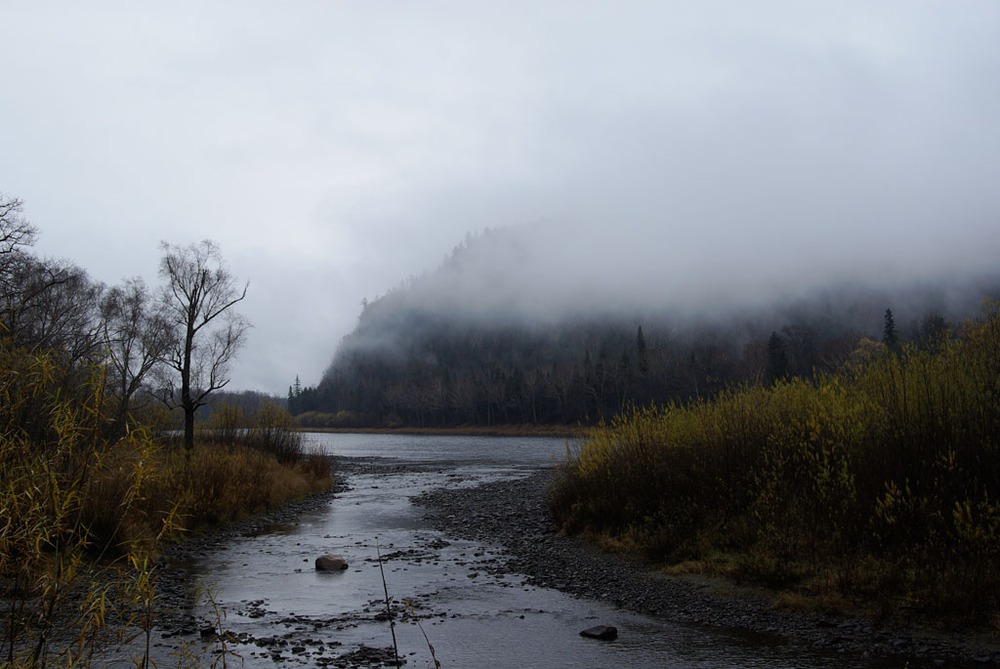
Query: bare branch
point(135, 337)
point(198, 291)
point(15, 231)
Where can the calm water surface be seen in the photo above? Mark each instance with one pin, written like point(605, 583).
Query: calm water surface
point(267, 587)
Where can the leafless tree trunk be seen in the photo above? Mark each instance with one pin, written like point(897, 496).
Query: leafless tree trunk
point(198, 298)
point(135, 337)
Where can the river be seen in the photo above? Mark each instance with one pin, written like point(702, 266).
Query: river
point(278, 611)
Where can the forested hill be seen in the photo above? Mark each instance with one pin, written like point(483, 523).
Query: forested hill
point(485, 340)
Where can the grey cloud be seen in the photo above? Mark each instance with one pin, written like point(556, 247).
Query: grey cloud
point(705, 151)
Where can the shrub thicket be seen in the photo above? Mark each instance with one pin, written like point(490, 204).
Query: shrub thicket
point(269, 429)
point(881, 482)
point(57, 477)
point(82, 510)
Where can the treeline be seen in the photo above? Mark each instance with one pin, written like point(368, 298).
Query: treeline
point(876, 485)
point(409, 365)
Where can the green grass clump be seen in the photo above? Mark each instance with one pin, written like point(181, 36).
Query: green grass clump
point(880, 483)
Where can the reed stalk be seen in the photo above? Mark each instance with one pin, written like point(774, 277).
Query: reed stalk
point(388, 605)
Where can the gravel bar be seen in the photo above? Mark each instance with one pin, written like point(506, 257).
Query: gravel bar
point(514, 515)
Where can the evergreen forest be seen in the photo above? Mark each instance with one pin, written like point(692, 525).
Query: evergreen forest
point(434, 353)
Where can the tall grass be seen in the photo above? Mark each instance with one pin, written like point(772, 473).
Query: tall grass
point(83, 513)
point(881, 482)
point(221, 483)
point(65, 569)
point(270, 429)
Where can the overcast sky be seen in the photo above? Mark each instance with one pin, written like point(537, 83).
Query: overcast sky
point(333, 149)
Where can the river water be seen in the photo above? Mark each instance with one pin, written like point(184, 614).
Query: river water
point(279, 611)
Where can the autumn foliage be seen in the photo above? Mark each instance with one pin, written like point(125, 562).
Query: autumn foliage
point(84, 510)
point(879, 483)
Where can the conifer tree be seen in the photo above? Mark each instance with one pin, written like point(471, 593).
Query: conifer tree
point(640, 351)
point(777, 357)
point(890, 336)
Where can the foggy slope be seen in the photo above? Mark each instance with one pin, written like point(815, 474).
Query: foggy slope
point(522, 325)
point(540, 277)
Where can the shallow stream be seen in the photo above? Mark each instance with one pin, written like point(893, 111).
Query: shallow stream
point(278, 611)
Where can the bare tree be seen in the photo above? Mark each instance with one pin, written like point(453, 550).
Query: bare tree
point(135, 336)
point(198, 298)
point(49, 305)
point(15, 231)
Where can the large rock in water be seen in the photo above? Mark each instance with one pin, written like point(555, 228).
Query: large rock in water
point(602, 632)
point(330, 562)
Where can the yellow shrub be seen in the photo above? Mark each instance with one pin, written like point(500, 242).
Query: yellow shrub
point(896, 459)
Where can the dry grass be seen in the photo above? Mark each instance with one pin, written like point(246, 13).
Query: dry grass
point(83, 512)
point(220, 484)
point(213, 485)
point(880, 483)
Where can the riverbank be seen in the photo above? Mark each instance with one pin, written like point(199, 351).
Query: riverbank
point(177, 592)
point(511, 515)
point(514, 515)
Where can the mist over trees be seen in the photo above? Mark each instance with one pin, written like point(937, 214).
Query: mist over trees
point(480, 342)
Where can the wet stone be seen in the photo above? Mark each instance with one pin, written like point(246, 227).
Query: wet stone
point(330, 562)
point(602, 632)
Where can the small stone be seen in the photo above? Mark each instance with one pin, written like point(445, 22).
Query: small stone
point(602, 632)
point(330, 562)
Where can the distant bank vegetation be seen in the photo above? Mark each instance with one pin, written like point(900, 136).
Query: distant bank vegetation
point(407, 367)
point(875, 484)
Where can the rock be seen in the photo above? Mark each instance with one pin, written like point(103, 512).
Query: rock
point(330, 562)
point(602, 632)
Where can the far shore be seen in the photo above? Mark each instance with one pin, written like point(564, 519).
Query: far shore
point(525, 430)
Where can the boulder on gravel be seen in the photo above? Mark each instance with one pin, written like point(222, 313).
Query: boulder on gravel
point(602, 632)
point(330, 562)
